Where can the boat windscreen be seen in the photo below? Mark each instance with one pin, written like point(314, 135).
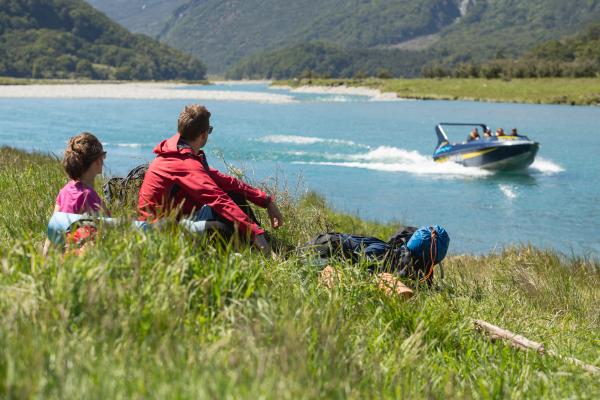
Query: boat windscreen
point(458, 132)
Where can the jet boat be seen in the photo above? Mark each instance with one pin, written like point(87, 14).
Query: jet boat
point(493, 153)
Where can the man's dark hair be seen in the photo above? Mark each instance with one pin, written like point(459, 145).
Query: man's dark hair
point(193, 120)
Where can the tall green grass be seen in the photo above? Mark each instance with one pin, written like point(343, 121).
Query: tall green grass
point(164, 314)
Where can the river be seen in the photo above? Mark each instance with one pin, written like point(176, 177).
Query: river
point(367, 154)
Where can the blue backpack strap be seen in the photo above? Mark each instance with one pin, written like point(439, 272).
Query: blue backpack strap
point(58, 225)
point(60, 222)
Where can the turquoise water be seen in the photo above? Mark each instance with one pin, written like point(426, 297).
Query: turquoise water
point(367, 157)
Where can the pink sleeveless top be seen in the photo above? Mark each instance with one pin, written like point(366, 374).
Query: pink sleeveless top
point(78, 198)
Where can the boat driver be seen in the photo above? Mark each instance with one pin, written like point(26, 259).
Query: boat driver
point(474, 135)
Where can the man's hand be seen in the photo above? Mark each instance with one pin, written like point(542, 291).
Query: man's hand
point(274, 215)
point(261, 243)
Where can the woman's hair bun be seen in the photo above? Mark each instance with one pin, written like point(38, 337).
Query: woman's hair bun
point(82, 150)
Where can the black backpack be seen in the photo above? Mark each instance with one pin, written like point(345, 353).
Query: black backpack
point(391, 256)
point(121, 191)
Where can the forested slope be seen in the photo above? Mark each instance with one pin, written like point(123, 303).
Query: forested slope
point(148, 17)
point(70, 39)
point(266, 33)
point(574, 56)
point(223, 32)
point(509, 28)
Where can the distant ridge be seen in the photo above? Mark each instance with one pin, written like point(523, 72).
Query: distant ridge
point(228, 34)
point(70, 39)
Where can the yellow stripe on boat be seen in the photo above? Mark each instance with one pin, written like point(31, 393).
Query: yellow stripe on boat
point(509, 137)
point(477, 153)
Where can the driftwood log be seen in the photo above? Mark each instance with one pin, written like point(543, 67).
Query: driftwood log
point(521, 342)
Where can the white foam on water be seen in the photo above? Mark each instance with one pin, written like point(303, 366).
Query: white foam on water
point(393, 159)
point(137, 91)
point(130, 145)
point(508, 191)
point(546, 166)
point(291, 139)
point(305, 140)
point(296, 153)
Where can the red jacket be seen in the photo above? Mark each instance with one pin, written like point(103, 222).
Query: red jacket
point(197, 185)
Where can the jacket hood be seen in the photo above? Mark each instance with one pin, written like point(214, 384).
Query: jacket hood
point(169, 146)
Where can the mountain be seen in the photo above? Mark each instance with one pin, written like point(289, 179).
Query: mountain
point(575, 56)
point(509, 28)
point(223, 32)
point(234, 33)
point(148, 17)
point(70, 39)
point(320, 59)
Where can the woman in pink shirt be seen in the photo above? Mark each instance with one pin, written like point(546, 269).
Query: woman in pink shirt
point(83, 161)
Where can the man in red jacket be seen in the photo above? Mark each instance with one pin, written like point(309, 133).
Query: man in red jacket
point(180, 179)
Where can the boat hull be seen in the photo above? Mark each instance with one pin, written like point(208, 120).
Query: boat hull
point(505, 156)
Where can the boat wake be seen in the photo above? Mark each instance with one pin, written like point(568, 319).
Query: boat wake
point(546, 167)
point(307, 140)
point(349, 154)
point(509, 191)
point(393, 159)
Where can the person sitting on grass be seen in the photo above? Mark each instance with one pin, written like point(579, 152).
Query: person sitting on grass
point(180, 180)
point(83, 161)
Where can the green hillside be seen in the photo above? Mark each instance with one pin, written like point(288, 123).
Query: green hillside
point(510, 27)
point(225, 33)
point(148, 17)
point(326, 60)
point(70, 39)
point(577, 56)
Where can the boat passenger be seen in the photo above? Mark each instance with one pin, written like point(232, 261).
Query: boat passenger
point(487, 133)
point(474, 135)
point(180, 180)
point(513, 132)
point(83, 161)
point(500, 132)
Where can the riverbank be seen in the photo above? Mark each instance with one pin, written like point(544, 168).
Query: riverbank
point(163, 314)
point(7, 80)
point(584, 91)
point(130, 90)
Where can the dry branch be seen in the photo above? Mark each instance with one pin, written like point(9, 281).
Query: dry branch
point(521, 342)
